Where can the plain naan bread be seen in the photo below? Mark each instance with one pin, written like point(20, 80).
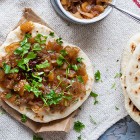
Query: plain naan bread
point(129, 50)
point(14, 36)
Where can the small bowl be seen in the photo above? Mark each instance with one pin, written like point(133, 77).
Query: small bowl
point(84, 21)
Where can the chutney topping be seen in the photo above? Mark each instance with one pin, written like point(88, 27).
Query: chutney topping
point(40, 75)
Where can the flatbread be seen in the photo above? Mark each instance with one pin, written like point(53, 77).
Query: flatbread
point(128, 52)
point(15, 36)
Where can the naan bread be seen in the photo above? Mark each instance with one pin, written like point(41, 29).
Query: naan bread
point(133, 43)
point(15, 36)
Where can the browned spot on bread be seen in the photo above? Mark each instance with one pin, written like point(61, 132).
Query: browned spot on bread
point(136, 92)
point(136, 78)
point(130, 73)
point(130, 102)
point(125, 87)
point(138, 58)
point(137, 66)
point(133, 47)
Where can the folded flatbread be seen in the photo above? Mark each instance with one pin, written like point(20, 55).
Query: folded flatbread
point(129, 62)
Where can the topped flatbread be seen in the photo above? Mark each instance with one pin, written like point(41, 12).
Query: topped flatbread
point(41, 75)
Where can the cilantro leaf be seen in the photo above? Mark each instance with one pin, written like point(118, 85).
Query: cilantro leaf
point(79, 138)
point(37, 76)
point(118, 75)
point(8, 96)
point(92, 120)
point(60, 60)
point(40, 39)
point(54, 98)
point(34, 87)
point(23, 118)
point(14, 70)
point(63, 52)
point(6, 68)
point(79, 59)
point(43, 65)
point(78, 126)
point(37, 138)
point(37, 47)
point(80, 79)
point(24, 46)
point(97, 75)
point(51, 34)
point(59, 41)
point(94, 95)
point(75, 67)
point(23, 63)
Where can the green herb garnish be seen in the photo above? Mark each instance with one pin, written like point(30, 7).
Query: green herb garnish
point(43, 65)
point(60, 60)
point(40, 39)
point(94, 95)
point(92, 120)
point(79, 59)
point(80, 79)
point(14, 70)
point(59, 41)
point(37, 47)
point(79, 138)
point(63, 52)
point(8, 96)
point(118, 75)
point(97, 75)
point(23, 63)
point(23, 118)
point(113, 85)
point(34, 87)
point(6, 68)
point(78, 126)
point(116, 108)
point(51, 34)
point(75, 67)
point(37, 138)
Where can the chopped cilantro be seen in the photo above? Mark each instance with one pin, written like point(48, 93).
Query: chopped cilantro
point(80, 79)
point(118, 75)
point(54, 98)
point(51, 34)
point(14, 70)
point(75, 67)
point(78, 126)
point(94, 95)
point(37, 138)
point(92, 120)
point(43, 65)
point(59, 41)
point(60, 60)
point(116, 108)
point(58, 77)
point(6, 68)
point(40, 39)
point(113, 85)
point(37, 76)
point(24, 46)
point(79, 138)
point(79, 59)
point(63, 52)
point(97, 75)
point(23, 118)
point(34, 87)
point(37, 47)
point(8, 96)
point(23, 63)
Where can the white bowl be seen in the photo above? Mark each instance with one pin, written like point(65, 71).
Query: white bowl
point(85, 21)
